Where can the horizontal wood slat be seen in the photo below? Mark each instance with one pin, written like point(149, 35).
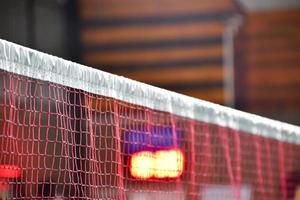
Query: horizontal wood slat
point(150, 33)
point(258, 106)
point(274, 22)
point(266, 57)
point(273, 17)
point(277, 65)
point(176, 75)
point(279, 43)
point(279, 30)
point(152, 55)
point(137, 8)
point(212, 95)
point(274, 77)
point(284, 94)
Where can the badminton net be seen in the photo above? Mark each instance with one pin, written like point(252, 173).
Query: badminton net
point(68, 131)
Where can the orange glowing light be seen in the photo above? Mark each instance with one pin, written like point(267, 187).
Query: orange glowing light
point(159, 164)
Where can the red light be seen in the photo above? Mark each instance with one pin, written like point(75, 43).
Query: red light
point(159, 164)
point(9, 171)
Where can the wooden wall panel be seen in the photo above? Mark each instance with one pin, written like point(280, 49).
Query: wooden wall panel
point(174, 44)
point(270, 45)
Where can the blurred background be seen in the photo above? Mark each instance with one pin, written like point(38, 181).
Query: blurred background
point(240, 53)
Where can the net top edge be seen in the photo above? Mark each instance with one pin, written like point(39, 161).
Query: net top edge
point(34, 64)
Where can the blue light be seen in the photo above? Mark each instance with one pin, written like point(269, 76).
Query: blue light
point(158, 138)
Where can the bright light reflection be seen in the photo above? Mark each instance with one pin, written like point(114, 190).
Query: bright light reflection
point(159, 164)
point(168, 164)
point(142, 165)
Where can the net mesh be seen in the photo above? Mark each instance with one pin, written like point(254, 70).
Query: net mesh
point(58, 142)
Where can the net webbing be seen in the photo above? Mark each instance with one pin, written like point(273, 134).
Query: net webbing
point(63, 142)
